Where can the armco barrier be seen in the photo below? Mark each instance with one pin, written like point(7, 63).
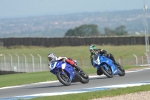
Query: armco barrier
point(72, 41)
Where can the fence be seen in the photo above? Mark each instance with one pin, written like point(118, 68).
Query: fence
point(36, 63)
point(22, 63)
point(73, 41)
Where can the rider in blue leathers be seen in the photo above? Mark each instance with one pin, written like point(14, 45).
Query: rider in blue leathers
point(52, 58)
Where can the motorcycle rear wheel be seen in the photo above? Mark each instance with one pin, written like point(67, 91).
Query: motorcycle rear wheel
point(84, 78)
point(122, 71)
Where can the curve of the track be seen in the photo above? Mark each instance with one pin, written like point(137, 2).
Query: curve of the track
point(97, 81)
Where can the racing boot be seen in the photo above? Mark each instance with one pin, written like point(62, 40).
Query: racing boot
point(99, 72)
point(117, 64)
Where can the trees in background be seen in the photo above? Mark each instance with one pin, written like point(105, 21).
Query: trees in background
point(120, 30)
point(108, 31)
point(84, 30)
point(92, 30)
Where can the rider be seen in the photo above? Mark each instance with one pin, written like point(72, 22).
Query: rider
point(94, 51)
point(53, 58)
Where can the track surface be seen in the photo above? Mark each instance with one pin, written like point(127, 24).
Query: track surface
point(95, 81)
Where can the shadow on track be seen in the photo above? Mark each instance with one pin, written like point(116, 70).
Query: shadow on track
point(51, 86)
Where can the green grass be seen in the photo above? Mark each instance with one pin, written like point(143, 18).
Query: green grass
point(25, 78)
point(97, 94)
point(80, 53)
point(75, 52)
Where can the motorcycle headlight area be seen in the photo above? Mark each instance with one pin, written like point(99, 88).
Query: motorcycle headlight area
point(52, 65)
point(63, 65)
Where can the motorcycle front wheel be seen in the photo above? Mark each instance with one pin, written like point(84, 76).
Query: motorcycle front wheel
point(107, 70)
point(63, 77)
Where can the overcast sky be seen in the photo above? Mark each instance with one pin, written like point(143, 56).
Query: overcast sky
point(25, 8)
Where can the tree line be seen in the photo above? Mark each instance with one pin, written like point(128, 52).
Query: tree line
point(92, 30)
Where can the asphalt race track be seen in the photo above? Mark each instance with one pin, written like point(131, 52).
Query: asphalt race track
point(55, 87)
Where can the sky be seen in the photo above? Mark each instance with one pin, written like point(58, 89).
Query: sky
point(27, 8)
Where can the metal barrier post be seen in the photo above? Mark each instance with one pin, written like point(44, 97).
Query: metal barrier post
point(136, 59)
point(32, 61)
point(25, 61)
point(18, 63)
point(40, 62)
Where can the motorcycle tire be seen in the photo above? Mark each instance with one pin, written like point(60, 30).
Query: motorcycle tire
point(122, 71)
point(63, 78)
point(106, 72)
point(84, 78)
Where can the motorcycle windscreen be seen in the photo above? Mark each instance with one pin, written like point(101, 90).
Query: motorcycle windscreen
point(96, 60)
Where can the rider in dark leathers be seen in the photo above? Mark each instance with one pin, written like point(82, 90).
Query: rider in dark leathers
point(94, 50)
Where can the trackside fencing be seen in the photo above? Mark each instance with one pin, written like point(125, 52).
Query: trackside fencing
point(23, 63)
point(37, 63)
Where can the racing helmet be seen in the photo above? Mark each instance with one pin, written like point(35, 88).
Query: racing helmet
point(92, 49)
point(51, 57)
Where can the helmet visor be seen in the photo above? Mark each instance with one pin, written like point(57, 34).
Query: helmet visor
point(92, 51)
point(50, 58)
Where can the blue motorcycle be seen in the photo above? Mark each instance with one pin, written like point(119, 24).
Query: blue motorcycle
point(67, 74)
point(106, 66)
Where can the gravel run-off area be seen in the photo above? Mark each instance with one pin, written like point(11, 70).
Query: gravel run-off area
point(131, 96)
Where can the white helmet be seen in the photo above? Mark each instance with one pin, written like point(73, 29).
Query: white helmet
point(51, 57)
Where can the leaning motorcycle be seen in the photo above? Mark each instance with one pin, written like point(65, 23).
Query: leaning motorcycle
point(68, 74)
point(106, 66)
